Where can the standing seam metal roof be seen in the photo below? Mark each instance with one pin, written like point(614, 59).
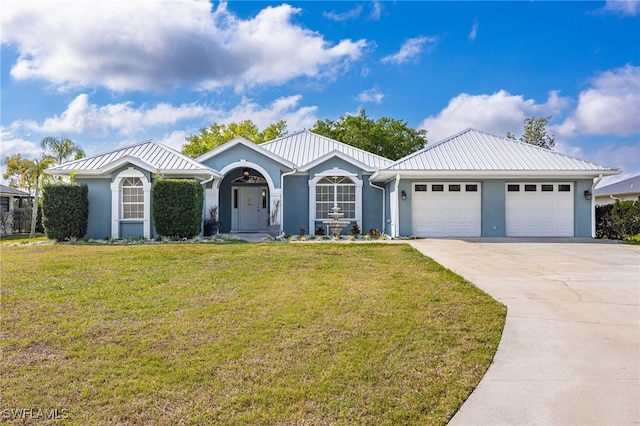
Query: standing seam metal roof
point(472, 150)
point(304, 147)
point(159, 156)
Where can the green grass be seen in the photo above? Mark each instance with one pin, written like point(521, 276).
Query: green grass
point(17, 239)
point(241, 334)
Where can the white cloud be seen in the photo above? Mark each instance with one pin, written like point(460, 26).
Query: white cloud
point(373, 95)
point(611, 106)
point(82, 117)
point(344, 16)
point(412, 48)
point(285, 108)
point(376, 10)
point(623, 7)
point(474, 30)
point(497, 113)
point(160, 45)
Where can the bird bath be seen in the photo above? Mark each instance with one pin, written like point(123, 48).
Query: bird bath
point(335, 224)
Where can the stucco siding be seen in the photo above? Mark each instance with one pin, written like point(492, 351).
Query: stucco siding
point(241, 152)
point(99, 194)
point(493, 206)
point(335, 162)
point(582, 209)
point(296, 205)
point(372, 206)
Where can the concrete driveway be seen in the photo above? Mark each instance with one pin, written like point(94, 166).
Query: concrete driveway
point(570, 352)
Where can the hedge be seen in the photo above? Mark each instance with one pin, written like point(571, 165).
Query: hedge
point(619, 220)
point(65, 211)
point(177, 207)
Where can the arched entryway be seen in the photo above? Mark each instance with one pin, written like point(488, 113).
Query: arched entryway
point(245, 195)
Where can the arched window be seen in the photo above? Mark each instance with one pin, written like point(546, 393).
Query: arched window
point(336, 190)
point(132, 198)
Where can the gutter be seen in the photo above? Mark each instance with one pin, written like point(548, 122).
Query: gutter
point(384, 210)
point(396, 209)
point(596, 181)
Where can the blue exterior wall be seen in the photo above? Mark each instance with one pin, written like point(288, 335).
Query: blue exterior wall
point(99, 225)
point(372, 207)
point(238, 152)
point(295, 213)
point(493, 204)
point(494, 215)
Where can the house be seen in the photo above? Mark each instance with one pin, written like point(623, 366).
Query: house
point(625, 190)
point(11, 199)
point(472, 184)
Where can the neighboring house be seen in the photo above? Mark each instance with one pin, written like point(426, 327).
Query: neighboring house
point(10, 200)
point(625, 190)
point(472, 184)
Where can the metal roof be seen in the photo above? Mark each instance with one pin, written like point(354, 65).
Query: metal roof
point(472, 150)
point(304, 148)
point(7, 190)
point(627, 186)
point(150, 154)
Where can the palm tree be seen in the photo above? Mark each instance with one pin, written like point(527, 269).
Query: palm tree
point(37, 175)
point(62, 149)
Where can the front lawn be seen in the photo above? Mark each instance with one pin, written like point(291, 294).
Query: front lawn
point(240, 334)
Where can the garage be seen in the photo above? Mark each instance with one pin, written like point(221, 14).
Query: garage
point(543, 209)
point(446, 209)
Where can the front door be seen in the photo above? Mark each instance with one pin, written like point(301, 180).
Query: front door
point(251, 206)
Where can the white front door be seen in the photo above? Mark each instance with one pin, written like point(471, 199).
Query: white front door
point(251, 208)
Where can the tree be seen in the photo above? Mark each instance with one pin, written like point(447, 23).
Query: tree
point(17, 173)
point(218, 134)
point(37, 175)
point(535, 133)
point(387, 137)
point(61, 149)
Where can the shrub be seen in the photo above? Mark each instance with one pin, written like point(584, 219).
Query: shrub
point(177, 207)
point(619, 220)
point(65, 210)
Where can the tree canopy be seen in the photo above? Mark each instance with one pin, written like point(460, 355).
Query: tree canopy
point(535, 133)
point(218, 134)
point(387, 137)
point(61, 149)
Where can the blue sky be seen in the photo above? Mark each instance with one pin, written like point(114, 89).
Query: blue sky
point(110, 73)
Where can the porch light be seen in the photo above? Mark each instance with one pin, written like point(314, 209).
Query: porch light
point(245, 174)
point(403, 195)
point(587, 194)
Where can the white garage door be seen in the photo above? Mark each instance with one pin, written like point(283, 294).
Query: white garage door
point(539, 209)
point(446, 209)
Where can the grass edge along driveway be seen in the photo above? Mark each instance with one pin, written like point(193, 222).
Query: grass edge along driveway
point(240, 334)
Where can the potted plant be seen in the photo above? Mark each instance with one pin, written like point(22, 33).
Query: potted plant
point(211, 223)
point(274, 226)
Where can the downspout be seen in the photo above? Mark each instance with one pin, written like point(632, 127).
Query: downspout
point(396, 209)
point(596, 181)
point(381, 188)
point(282, 195)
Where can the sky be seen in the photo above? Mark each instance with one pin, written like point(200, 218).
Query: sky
point(111, 73)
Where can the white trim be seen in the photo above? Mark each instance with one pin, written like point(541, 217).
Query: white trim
point(341, 155)
point(239, 140)
point(248, 164)
point(116, 202)
point(312, 194)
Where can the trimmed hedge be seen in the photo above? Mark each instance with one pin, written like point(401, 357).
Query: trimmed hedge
point(619, 220)
point(65, 211)
point(177, 207)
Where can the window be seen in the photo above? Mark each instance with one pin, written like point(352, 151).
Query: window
point(4, 204)
point(547, 188)
point(530, 188)
point(340, 191)
point(421, 188)
point(132, 198)
point(471, 188)
point(454, 188)
point(564, 188)
point(437, 188)
point(513, 188)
